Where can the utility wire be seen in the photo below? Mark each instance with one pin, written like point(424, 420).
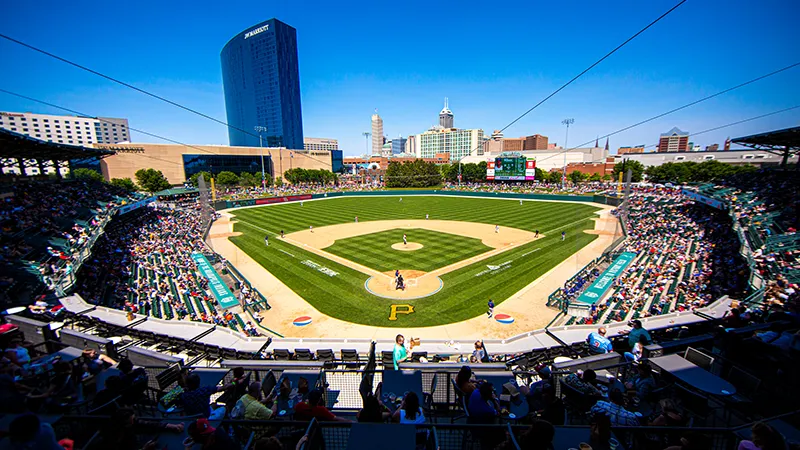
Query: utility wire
point(658, 116)
point(594, 64)
point(115, 80)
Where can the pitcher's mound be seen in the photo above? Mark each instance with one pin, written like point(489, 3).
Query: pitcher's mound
point(410, 247)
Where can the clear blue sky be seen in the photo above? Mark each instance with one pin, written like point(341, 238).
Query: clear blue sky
point(404, 57)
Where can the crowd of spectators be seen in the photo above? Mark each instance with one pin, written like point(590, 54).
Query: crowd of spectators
point(532, 187)
point(243, 193)
point(46, 224)
point(145, 266)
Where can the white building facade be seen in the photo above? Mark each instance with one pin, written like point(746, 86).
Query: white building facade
point(71, 130)
point(325, 144)
point(377, 134)
point(459, 143)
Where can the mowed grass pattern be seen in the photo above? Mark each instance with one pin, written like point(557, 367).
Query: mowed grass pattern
point(465, 291)
point(439, 249)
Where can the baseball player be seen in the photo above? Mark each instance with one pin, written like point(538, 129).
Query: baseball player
point(426, 217)
point(311, 228)
point(563, 235)
point(491, 308)
point(497, 228)
point(405, 240)
point(266, 240)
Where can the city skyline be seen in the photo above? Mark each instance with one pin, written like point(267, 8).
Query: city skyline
point(343, 77)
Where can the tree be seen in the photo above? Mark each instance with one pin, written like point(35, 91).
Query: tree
point(124, 183)
point(247, 179)
point(226, 178)
point(595, 177)
point(206, 176)
point(576, 176)
point(87, 174)
point(636, 168)
point(554, 177)
point(152, 180)
point(417, 173)
point(278, 181)
point(541, 175)
point(606, 177)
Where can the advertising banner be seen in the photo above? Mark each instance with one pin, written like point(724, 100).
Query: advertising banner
point(290, 198)
point(530, 170)
point(601, 285)
point(220, 290)
point(135, 205)
point(712, 202)
point(490, 170)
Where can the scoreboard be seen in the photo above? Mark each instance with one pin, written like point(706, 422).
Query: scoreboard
point(511, 169)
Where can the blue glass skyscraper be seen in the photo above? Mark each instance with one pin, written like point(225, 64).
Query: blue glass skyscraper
point(261, 80)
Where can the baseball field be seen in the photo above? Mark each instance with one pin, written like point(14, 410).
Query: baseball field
point(464, 252)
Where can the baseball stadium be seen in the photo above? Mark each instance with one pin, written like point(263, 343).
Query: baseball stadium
point(334, 295)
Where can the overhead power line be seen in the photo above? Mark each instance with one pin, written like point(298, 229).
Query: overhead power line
point(658, 116)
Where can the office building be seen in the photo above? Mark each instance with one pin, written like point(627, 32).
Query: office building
point(629, 150)
point(458, 143)
point(261, 81)
point(712, 147)
point(67, 129)
point(179, 162)
point(513, 144)
point(377, 134)
point(399, 145)
point(674, 140)
point(446, 116)
point(326, 144)
point(535, 142)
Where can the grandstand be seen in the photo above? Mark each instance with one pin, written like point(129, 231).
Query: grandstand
point(715, 290)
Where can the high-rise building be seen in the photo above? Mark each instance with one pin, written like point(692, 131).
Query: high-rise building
point(446, 116)
point(310, 143)
point(513, 144)
point(458, 143)
point(261, 80)
point(399, 145)
point(67, 129)
point(377, 134)
point(674, 140)
point(712, 148)
point(535, 142)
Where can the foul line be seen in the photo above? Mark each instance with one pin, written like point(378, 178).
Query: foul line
point(532, 251)
point(284, 251)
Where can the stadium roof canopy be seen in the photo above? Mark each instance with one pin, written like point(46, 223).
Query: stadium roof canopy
point(784, 142)
point(15, 145)
point(176, 191)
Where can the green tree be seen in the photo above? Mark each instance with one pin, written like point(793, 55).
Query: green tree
point(151, 180)
point(636, 168)
point(278, 181)
point(87, 174)
point(554, 177)
point(247, 179)
point(595, 177)
point(226, 178)
point(124, 183)
point(417, 173)
point(606, 177)
point(541, 175)
point(576, 176)
point(206, 176)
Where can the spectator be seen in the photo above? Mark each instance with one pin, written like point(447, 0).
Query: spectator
point(552, 407)
point(599, 432)
point(583, 383)
point(373, 411)
point(409, 410)
point(28, 432)
point(637, 351)
point(479, 353)
point(598, 342)
point(635, 332)
point(538, 436)
point(400, 352)
point(197, 400)
point(211, 438)
point(643, 383)
point(133, 382)
point(62, 388)
point(670, 415)
point(105, 397)
point(763, 437)
point(18, 354)
point(464, 381)
point(615, 410)
point(96, 362)
point(252, 407)
point(313, 408)
point(483, 406)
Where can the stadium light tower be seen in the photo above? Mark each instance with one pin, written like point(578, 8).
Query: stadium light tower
point(566, 122)
point(366, 135)
point(259, 129)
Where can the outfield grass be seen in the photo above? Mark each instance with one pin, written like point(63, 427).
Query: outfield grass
point(465, 291)
point(439, 249)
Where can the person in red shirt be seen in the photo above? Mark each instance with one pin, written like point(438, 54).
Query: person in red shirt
point(314, 408)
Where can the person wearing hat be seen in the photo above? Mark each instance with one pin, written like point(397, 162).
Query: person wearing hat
point(636, 331)
point(210, 438)
point(314, 408)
